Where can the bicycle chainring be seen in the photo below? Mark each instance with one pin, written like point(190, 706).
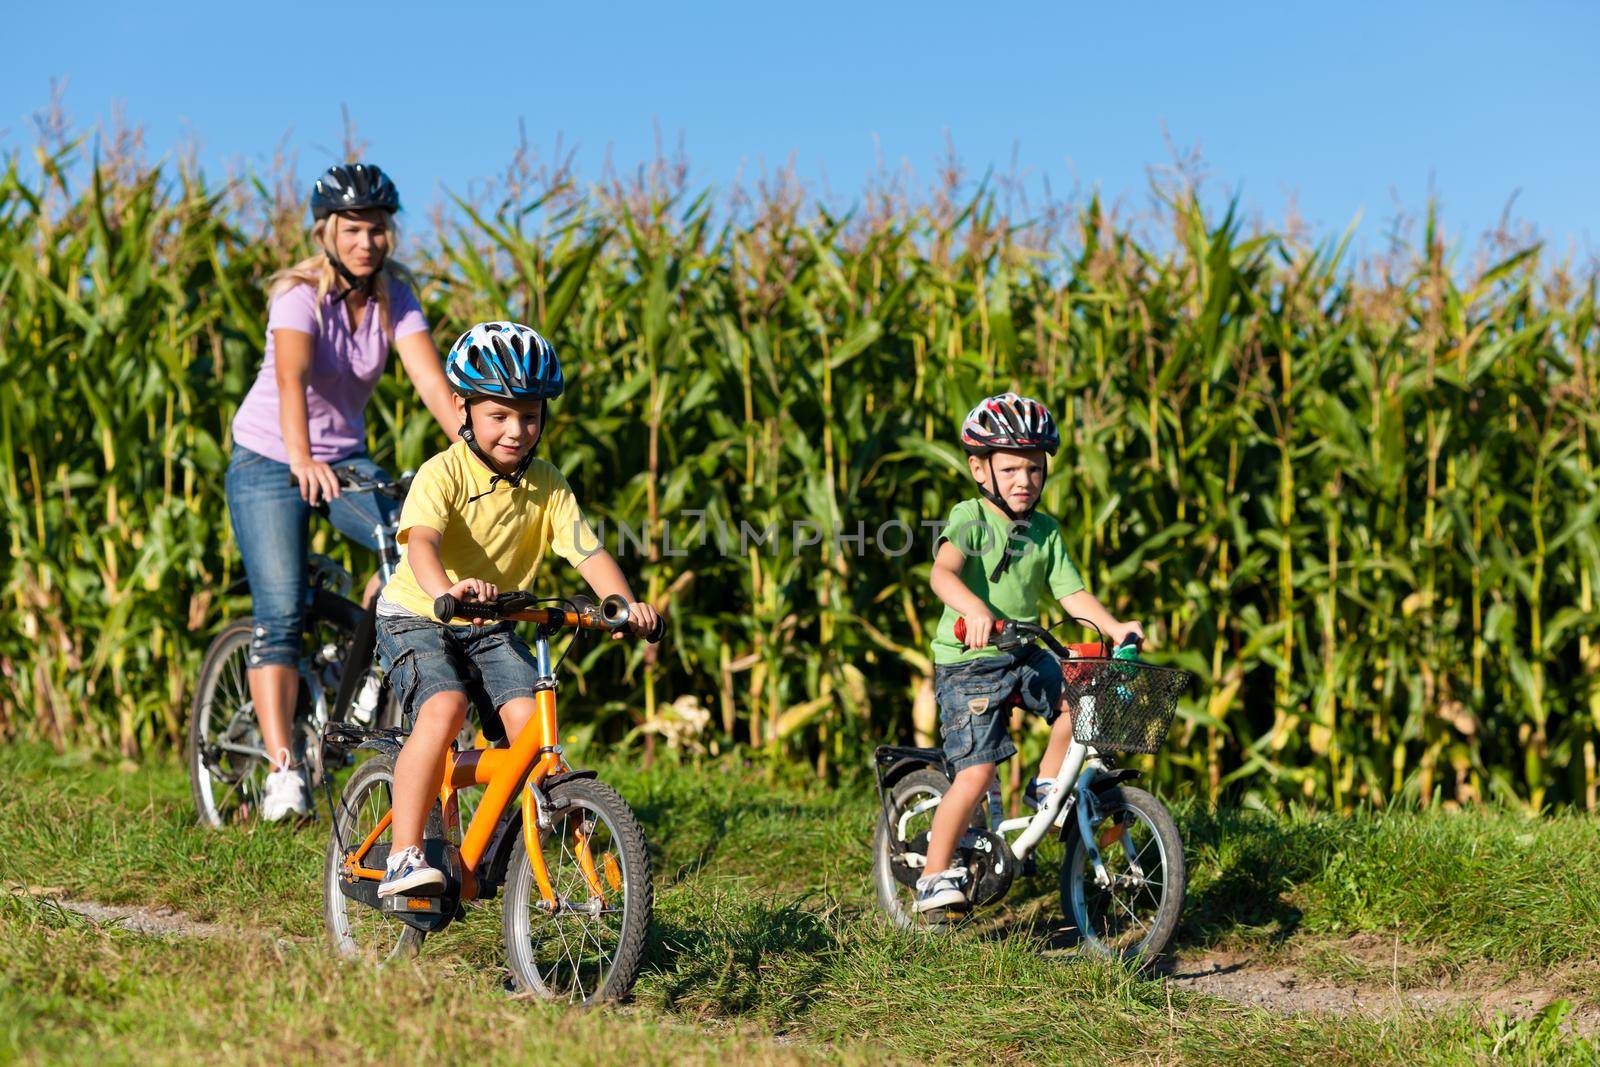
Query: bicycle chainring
point(990, 865)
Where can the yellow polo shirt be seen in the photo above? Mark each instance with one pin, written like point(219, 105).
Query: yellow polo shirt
point(500, 537)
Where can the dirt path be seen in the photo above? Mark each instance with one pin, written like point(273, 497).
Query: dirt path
point(159, 922)
point(153, 922)
point(1290, 990)
point(1282, 989)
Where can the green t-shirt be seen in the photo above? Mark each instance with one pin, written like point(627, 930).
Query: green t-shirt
point(982, 534)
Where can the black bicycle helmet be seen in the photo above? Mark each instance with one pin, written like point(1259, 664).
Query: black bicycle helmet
point(353, 187)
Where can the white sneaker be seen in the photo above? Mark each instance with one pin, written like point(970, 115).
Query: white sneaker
point(1038, 792)
point(409, 872)
point(286, 795)
point(941, 890)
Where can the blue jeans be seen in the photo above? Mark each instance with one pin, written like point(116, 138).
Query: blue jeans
point(272, 527)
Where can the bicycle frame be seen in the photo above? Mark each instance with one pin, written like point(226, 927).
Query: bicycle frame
point(364, 641)
point(533, 760)
point(1088, 773)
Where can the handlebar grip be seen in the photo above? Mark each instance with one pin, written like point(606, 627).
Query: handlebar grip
point(961, 628)
point(447, 607)
point(658, 631)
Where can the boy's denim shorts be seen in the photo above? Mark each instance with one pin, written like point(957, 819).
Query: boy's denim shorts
point(972, 717)
point(421, 657)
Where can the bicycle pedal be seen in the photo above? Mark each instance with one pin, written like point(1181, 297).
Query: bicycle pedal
point(1030, 867)
point(400, 904)
point(945, 916)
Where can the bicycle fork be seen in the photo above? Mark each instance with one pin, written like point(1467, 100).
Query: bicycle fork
point(536, 820)
point(1086, 809)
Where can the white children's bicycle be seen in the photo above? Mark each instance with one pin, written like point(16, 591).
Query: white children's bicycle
point(1122, 876)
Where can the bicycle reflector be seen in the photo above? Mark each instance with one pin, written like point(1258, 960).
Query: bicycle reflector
point(613, 871)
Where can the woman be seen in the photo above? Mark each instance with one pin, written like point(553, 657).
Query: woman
point(331, 319)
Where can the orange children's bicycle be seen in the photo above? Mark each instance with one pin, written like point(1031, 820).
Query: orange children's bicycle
point(565, 846)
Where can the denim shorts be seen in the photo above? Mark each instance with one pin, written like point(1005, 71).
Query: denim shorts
point(972, 717)
point(421, 657)
point(271, 525)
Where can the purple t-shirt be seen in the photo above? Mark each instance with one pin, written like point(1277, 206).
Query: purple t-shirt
point(345, 367)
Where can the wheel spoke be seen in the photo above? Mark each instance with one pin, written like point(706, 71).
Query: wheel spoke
point(1124, 916)
point(1116, 899)
point(578, 948)
point(566, 951)
point(1138, 858)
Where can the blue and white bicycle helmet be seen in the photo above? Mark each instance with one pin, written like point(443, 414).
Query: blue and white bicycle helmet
point(503, 361)
point(506, 361)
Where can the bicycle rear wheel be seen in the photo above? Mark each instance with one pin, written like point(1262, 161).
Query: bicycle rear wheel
point(1134, 915)
point(226, 778)
point(357, 930)
point(586, 947)
point(915, 790)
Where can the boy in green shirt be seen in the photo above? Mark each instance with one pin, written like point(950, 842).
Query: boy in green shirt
point(995, 559)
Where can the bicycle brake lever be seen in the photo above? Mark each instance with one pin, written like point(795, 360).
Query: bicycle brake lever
point(514, 601)
point(1005, 637)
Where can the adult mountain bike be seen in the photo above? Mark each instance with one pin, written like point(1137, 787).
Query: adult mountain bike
point(339, 681)
point(566, 847)
point(1122, 877)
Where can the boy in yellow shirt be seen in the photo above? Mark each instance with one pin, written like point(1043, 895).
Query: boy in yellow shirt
point(479, 518)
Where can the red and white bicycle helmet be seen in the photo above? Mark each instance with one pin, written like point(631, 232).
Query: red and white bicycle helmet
point(1009, 421)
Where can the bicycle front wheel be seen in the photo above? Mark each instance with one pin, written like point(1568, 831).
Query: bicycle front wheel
point(1134, 914)
point(585, 945)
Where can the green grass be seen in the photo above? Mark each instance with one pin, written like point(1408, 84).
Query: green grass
point(766, 948)
point(1483, 885)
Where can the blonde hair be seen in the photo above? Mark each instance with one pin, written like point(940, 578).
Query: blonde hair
point(317, 271)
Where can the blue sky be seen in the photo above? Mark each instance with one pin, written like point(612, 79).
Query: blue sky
point(1343, 108)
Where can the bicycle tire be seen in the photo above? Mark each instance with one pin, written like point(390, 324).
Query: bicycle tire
point(225, 666)
point(222, 672)
point(349, 923)
point(1080, 897)
point(894, 899)
point(531, 951)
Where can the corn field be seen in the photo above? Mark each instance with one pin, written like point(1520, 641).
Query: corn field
point(1356, 497)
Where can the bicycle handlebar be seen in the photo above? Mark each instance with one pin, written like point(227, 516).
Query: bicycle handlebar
point(611, 614)
point(1010, 633)
point(351, 482)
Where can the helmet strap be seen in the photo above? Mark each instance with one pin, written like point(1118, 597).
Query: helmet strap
point(515, 477)
point(1022, 520)
point(364, 284)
